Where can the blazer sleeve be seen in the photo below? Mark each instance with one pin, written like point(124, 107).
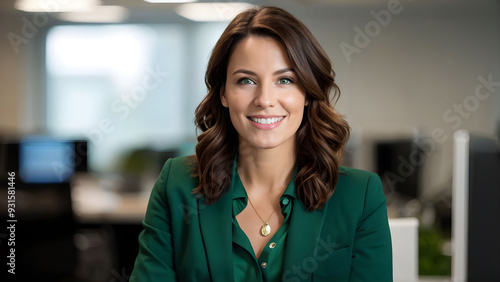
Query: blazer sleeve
point(155, 261)
point(372, 249)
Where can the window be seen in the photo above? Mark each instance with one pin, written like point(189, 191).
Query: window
point(123, 87)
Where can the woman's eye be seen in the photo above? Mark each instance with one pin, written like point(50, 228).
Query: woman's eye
point(246, 81)
point(285, 81)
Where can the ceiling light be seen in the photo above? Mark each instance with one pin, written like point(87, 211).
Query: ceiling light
point(38, 6)
point(100, 14)
point(210, 12)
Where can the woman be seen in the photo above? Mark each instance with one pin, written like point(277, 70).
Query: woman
point(270, 138)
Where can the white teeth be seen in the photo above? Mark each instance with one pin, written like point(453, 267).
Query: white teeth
point(266, 120)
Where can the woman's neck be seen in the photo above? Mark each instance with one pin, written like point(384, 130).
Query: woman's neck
point(268, 169)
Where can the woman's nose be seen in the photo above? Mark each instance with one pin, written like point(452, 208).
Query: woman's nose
point(265, 96)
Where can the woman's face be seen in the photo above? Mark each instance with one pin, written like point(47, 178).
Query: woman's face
point(265, 101)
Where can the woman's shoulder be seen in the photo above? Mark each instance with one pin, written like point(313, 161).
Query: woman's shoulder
point(348, 173)
point(358, 190)
point(357, 180)
point(182, 165)
point(176, 174)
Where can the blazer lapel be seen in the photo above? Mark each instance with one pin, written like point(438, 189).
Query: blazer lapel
point(303, 237)
point(216, 231)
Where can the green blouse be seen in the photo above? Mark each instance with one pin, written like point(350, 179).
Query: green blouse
point(269, 266)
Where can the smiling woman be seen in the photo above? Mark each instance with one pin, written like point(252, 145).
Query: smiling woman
point(271, 138)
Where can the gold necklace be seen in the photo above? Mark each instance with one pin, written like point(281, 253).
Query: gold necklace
point(265, 230)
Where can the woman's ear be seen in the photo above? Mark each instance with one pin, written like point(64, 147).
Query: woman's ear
point(306, 102)
point(223, 96)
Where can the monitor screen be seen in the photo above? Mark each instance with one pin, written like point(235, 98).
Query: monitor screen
point(398, 175)
point(43, 160)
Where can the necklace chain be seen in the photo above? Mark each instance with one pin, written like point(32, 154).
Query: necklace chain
point(265, 230)
point(258, 213)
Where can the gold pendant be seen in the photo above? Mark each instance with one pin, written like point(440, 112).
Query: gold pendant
point(265, 230)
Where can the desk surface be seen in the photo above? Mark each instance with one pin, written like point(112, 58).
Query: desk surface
point(95, 203)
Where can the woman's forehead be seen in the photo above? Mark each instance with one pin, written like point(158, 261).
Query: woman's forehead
point(259, 53)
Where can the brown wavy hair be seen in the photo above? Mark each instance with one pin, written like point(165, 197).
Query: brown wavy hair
point(322, 134)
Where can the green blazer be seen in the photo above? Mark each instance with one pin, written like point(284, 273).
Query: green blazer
point(185, 240)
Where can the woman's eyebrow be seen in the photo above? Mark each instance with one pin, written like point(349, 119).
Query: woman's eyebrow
point(244, 71)
point(281, 71)
point(249, 72)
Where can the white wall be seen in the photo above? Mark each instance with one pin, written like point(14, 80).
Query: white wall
point(11, 100)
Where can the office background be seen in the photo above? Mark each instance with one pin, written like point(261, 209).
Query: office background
point(409, 71)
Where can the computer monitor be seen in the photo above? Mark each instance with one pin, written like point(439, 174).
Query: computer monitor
point(476, 208)
point(39, 159)
point(393, 159)
point(45, 160)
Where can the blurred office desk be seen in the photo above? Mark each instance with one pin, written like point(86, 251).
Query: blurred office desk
point(94, 203)
point(101, 207)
